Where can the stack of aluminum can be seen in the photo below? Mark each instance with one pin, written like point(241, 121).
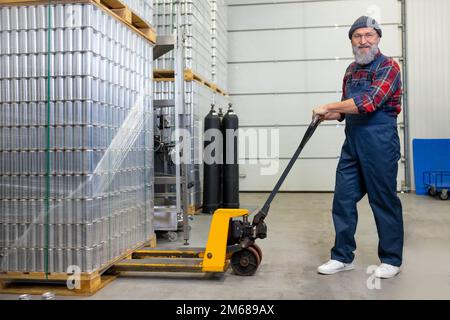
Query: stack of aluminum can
point(143, 8)
point(219, 43)
point(76, 138)
point(205, 55)
point(164, 16)
point(196, 18)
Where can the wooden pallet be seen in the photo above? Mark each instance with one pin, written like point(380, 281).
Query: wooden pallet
point(34, 286)
point(115, 8)
point(119, 10)
point(221, 91)
point(163, 75)
point(37, 283)
point(189, 75)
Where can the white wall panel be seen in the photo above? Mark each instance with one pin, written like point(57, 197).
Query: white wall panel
point(322, 150)
point(279, 109)
point(307, 174)
point(287, 57)
point(298, 44)
point(428, 44)
point(309, 14)
point(326, 142)
point(287, 77)
point(297, 76)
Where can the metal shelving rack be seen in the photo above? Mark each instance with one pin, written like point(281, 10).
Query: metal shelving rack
point(175, 215)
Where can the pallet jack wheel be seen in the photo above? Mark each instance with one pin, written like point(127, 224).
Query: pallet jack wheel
point(245, 262)
point(258, 249)
point(443, 195)
point(172, 236)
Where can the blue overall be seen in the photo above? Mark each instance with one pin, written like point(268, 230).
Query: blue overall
point(368, 164)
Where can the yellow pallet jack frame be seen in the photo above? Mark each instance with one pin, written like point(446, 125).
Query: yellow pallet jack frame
point(214, 258)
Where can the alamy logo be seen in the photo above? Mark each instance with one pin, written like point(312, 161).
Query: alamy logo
point(373, 283)
point(374, 12)
point(254, 147)
point(74, 279)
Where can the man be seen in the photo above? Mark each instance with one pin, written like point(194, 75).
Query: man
point(369, 159)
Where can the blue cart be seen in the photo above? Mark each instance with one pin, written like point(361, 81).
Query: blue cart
point(437, 183)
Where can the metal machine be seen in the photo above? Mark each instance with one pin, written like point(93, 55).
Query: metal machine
point(231, 239)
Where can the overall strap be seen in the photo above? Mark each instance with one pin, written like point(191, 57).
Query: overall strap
point(376, 64)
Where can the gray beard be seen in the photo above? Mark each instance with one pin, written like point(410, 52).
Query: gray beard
point(365, 58)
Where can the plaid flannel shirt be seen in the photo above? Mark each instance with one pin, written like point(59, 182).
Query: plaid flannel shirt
point(385, 93)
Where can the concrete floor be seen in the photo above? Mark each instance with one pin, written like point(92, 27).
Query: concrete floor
point(300, 235)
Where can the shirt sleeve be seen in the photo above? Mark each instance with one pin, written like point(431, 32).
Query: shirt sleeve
point(382, 88)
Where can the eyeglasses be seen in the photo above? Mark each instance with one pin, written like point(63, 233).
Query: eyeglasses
point(369, 36)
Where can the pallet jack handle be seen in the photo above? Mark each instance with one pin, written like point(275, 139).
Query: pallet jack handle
point(262, 214)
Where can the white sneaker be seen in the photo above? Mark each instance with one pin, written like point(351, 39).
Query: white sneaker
point(334, 266)
point(386, 271)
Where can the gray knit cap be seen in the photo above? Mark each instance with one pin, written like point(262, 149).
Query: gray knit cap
point(365, 22)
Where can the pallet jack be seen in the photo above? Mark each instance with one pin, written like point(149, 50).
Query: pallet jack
point(231, 239)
